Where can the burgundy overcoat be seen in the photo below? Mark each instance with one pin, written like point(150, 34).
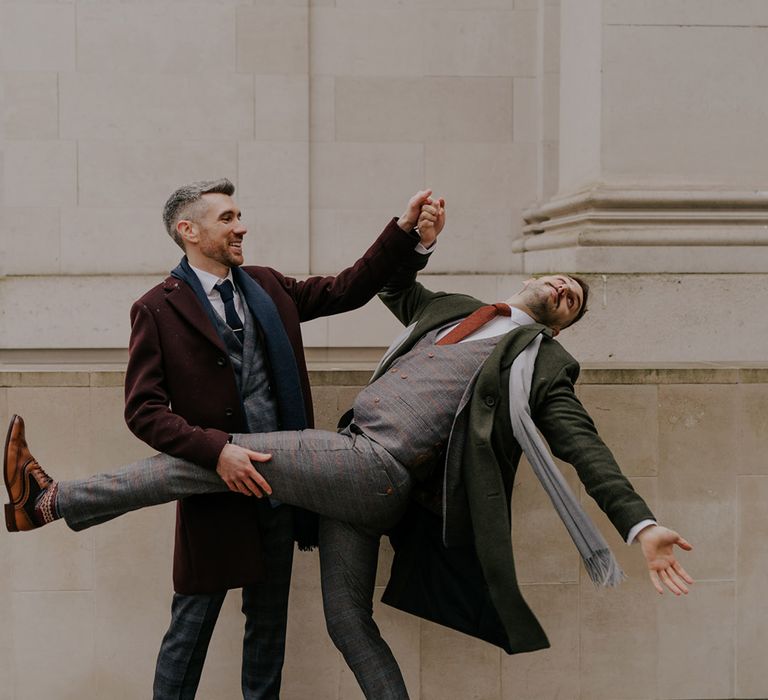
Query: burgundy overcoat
point(181, 398)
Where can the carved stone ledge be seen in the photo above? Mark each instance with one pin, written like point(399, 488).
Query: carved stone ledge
point(622, 230)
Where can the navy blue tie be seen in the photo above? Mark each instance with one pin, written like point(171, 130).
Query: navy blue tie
point(234, 321)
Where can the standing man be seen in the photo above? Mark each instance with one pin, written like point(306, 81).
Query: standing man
point(216, 349)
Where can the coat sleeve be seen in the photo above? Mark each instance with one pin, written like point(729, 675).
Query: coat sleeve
point(147, 402)
point(403, 295)
point(573, 438)
point(356, 285)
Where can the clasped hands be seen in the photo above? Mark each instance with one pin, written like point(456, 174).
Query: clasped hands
point(425, 213)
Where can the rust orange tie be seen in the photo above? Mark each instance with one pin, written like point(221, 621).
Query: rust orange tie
point(477, 319)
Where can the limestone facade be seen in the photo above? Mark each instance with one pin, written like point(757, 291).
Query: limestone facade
point(600, 136)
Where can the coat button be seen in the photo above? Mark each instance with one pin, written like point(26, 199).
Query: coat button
point(490, 401)
point(228, 412)
point(220, 361)
point(389, 490)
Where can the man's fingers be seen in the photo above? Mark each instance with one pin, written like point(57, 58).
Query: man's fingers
point(655, 581)
point(669, 583)
point(674, 576)
point(682, 572)
point(683, 544)
point(421, 196)
point(247, 489)
point(258, 456)
point(238, 487)
point(260, 483)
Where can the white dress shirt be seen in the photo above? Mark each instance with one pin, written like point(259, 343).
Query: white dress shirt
point(209, 282)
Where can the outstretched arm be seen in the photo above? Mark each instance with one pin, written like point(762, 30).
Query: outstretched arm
point(658, 544)
point(356, 285)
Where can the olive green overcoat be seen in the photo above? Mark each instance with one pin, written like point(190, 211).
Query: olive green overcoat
point(453, 550)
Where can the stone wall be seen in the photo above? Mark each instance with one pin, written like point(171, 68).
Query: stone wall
point(327, 115)
point(84, 613)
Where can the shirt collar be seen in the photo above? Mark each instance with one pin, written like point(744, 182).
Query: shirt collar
point(519, 317)
point(209, 281)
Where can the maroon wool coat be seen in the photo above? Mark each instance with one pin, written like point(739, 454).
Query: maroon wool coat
point(181, 398)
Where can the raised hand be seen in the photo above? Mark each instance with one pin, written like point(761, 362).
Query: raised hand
point(411, 214)
point(658, 543)
point(431, 221)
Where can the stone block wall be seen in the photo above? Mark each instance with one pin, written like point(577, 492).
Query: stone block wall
point(327, 115)
point(84, 613)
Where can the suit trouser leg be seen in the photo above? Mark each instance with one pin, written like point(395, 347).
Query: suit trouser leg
point(265, 606)
point(338, 475)
point(348, 558)
point(183, 649)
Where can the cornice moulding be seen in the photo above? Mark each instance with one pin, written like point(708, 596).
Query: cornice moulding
point(610, 217)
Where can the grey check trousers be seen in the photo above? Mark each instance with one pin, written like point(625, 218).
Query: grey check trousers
point(357, 487)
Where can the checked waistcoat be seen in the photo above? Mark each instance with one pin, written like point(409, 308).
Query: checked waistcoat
point(409, 410)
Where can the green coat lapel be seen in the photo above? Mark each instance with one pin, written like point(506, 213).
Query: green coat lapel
point(479, 412)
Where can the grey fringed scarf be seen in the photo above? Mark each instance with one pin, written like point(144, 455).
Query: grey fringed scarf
point(598, 559)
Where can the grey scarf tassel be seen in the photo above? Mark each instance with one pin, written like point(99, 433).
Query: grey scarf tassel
point(599, 561)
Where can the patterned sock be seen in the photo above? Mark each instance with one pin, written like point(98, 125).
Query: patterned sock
point(46, 506)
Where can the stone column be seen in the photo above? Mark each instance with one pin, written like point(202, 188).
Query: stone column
point(662, 143)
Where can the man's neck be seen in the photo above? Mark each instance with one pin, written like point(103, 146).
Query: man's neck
point(516, 302)
point(213, 267)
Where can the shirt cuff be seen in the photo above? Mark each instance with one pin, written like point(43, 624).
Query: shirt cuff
point(425, 251)
point(641, 525)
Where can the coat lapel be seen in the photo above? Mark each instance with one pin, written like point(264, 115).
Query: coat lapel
point(457, 528)
point(180, 296)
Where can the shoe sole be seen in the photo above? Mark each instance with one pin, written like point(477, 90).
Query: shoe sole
point(10, 510)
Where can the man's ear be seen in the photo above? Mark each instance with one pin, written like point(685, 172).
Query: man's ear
point(188, 231)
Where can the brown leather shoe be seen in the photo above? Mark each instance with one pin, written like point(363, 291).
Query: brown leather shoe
point(25, 479)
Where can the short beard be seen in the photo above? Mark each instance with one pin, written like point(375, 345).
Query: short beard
point(537, 305)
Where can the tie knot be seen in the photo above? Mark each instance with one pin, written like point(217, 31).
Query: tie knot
point(226, 290)
point(503, 309)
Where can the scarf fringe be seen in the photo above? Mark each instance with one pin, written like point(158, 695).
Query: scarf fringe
point(603, 568)
point(598, 559)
